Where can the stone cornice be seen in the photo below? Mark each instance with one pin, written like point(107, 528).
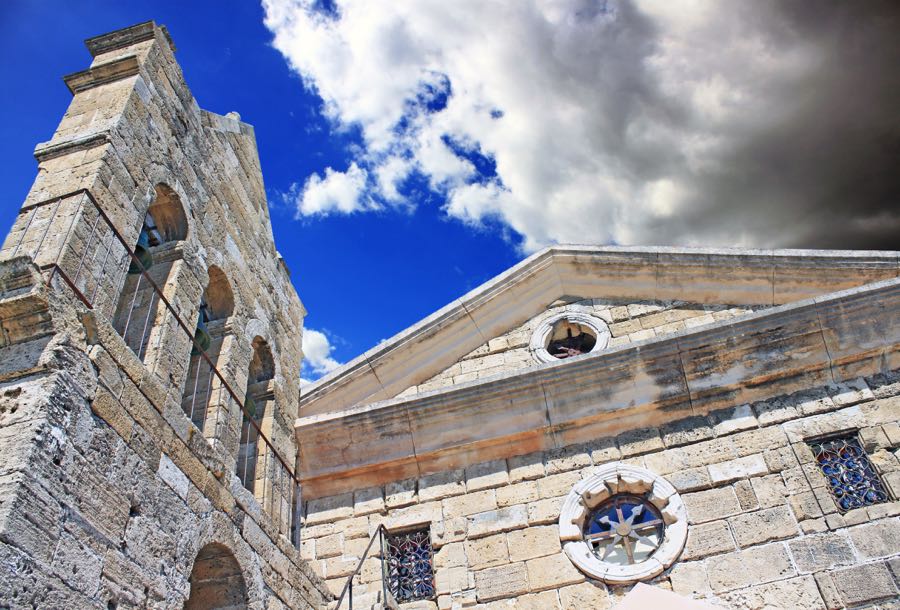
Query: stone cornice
point(101, 74)
point(126, 37)
point(699, 275)
point(51, 150)
point(812, 342)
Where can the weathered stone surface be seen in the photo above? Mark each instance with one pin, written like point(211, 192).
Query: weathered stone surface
point(506, 581)
point(519, 493)
point(455, 580)
point(690, 579)
point(691, 479)
point(712, 504)
point(451, 555)
point(533, 542)
point(769, 490)
point(792, 594)
point(442, 485)
point(400, 493)
point(821, 552)
point(752, 566)
point(494, 521)
point(763, 526)
point(708, 539)
point(487, 552)
point(115, 476)
point(525, 467)
point(544, 511)
point(469, 504)
point(864, 584)
point(584, 595)
point(732, 470)
point(877, 540)
point(553, 571)
point(486, 475)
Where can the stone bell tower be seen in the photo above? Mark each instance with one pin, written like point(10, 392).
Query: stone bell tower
point(149, 350)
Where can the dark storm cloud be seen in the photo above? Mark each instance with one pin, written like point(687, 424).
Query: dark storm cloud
point(698, 122)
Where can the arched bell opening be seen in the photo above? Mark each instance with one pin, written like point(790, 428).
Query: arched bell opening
point(216, 581)
point(203, 395)
point(139, 310)
point(252, 456)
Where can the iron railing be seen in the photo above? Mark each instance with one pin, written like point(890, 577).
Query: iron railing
point(347, 592)
point(72, 237)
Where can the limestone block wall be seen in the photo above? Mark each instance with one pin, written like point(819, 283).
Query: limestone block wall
point(106, 496)
point(764, 531)
point(628, 322)
point(132, 131)
point(109, 495)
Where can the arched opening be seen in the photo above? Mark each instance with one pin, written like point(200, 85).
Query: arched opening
point(138, 310)
point(168, 214)
point(216, 581)
point(262, 365)
point(251, 461)
point(202, 389)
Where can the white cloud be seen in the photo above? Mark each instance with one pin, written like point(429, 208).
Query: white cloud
point(317, 351)
point(343, 192)
point(626, 122)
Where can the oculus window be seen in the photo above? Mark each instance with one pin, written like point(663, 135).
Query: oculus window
point(623, 525)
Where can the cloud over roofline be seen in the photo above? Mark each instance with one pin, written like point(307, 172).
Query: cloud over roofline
point(722, 123)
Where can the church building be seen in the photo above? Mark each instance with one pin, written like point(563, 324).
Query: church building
point(594, 428)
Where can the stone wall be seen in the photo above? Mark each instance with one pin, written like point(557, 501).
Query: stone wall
point(109, 493)
point(764, 531)
point(628, 323)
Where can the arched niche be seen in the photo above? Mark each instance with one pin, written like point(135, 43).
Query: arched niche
point(139, 313)
point(218, 297)
point(216, 581)
point(202, 399)
point(252, 452)
point(262, 364)
point(167, 213)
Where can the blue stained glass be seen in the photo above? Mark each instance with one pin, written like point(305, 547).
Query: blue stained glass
point(624, 530)
point(409, 566)
point(851, 477)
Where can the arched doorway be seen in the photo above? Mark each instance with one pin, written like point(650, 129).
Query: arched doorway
point(216, 581)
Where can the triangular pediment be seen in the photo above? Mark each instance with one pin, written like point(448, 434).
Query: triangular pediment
point(662, 290)
point(571, 326)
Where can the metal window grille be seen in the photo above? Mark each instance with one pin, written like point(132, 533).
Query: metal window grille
point(409, 565)
point(852, 479)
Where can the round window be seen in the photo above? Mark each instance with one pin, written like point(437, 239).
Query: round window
point(568, 338)
point(623, 525)
point(624, 530)
point(568, 334)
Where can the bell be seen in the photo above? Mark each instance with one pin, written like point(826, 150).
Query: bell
point(249, 406)
point(202, 339)
point(142, 252)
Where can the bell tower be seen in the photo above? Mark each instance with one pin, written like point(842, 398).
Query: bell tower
point(149, 350)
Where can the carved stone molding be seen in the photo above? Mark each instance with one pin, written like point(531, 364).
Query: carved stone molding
point(622, 480)
point(541, 336)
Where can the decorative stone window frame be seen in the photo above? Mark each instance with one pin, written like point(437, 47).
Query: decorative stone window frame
point(611, 480)
point(541, 335)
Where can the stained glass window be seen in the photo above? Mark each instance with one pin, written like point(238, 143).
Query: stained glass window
point(851, 476)
point(409, 566)
point(624, 530)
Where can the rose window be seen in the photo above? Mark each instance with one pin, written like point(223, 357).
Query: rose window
point(623, 525)
point(624, 530)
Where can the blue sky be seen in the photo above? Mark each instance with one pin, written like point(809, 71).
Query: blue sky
point(362, 277)
point(413, 149)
